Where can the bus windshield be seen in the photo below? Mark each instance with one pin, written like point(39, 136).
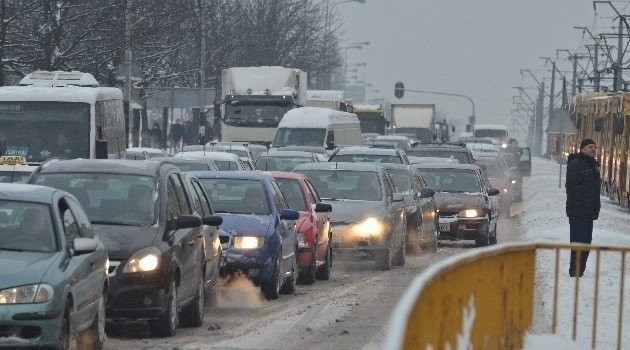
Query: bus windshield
point(41, 130)
point(493, 133)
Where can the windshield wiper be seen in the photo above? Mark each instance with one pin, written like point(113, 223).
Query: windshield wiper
point(12, 249)
point(330, 199)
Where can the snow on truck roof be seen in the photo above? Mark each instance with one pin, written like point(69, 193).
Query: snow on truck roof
point(328, 95)
point(259, 79)
point(362, 107)
point(490, 127)
point(316, 117)
point(59, 94)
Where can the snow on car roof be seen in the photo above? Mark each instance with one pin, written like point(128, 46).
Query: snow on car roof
point(316, 117)
point(211, 155)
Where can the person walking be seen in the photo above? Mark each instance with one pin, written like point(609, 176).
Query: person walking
point(156, 136)
point(177, 132)
point(583, 204)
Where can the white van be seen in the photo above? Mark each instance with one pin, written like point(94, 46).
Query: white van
point(315, 126)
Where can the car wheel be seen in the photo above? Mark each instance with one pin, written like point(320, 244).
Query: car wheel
point(413, 239)
point(383, 259)
point(493, 237)
point(98, 325)
point(166, 326)
point(192, 315)
point(272, 288)
point(323, 272)
point(308, 275)
point(399, 256)
point(485, 240)
point(63, 338)
point(288, 287)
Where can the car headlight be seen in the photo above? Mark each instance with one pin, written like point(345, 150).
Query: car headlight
point(505, 190)
point(513, 181)
point(369, 227)
point(34, 293)
point(144, 260)
point(248, 242)
point(469, 213)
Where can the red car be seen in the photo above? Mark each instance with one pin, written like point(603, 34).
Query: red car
point(497, 172)
point(468, 206)
point(313, 226)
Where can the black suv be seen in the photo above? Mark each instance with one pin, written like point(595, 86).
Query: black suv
point(359, 154)
point(459, 151)
point(152, 230)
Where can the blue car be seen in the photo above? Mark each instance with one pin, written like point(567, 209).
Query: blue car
point(261, 240)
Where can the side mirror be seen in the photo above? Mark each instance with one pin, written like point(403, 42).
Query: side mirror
point(83, 245)
point(184, 221)
point(212, 220)
point(289, 214)
point(101, 149)
point(323, 208)
point(427, 192)
point(397, 197)
point(493, 191)
point(330, 146)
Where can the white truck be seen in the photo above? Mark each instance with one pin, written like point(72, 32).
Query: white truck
point(417, 119)
point(333, 99)
point(255, 99)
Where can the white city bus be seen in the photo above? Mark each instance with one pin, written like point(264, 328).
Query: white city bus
point(61, 114)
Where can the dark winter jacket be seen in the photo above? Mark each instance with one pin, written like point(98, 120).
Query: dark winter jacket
point(582, 185)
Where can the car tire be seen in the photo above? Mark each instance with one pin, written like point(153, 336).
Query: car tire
point(399, 255)
point(413, 239)
point(166, 326)
point(308, 275)
point(323, 272)
point(288, 287)
point(192, 315)
point(272, 288)
point(485, 240)
point(383, 259)
point(63, 338)
point(97, 329)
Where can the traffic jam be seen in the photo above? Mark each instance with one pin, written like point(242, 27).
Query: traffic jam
point(95, 235)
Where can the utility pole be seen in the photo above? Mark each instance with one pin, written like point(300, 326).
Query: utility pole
point(596, 68)
point(537, 146)
point(618, 78)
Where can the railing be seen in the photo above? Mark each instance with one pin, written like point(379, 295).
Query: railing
point(489, 298)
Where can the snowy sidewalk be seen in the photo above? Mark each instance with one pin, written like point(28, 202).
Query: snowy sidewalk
point(542, 218)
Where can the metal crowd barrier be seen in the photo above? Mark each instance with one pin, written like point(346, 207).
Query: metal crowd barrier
point(487, 298)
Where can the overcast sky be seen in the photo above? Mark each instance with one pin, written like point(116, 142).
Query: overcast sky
point(470, 47)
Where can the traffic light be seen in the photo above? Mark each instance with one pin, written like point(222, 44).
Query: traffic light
point(399, 89)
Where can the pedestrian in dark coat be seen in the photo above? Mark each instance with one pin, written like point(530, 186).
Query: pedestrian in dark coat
point(583, 204)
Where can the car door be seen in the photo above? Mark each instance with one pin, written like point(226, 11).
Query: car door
point(78, 268)
point(286, 230)
point(493, 201)
point(395, 210)
point(427, 206)
point(322, 221)
point(212, 243)
point(187, 242)
point(526, 161)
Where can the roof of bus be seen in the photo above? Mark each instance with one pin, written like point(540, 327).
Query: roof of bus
point(59, 94)
point(490, 126)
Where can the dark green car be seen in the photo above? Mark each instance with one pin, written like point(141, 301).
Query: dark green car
point(53, 275)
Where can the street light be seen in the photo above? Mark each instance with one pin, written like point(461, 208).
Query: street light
point(329, 10)
point(357, 46)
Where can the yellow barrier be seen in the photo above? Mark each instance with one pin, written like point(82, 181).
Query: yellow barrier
point(485, 299)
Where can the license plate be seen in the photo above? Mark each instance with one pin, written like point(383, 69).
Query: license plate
point(446, 227)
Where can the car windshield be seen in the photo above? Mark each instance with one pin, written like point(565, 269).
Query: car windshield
point(346, 184)
point(402, 180)
point(366, 158)
point(110, 199)
point(226, 165)
point(237, 196)
point(293, 193)
point(452, 180)
point(299, 137)
point(438, 153)
point(280, 163)
point(491, 167)
point(26, 226)
point(14, 176)
point(192, 167)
